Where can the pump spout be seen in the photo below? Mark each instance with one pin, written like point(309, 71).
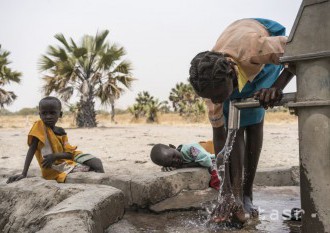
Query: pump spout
point(236, 105)
point(252, 103)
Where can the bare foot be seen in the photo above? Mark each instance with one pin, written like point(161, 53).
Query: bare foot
point(229, 209)
point(249, 207)
point(240, 215)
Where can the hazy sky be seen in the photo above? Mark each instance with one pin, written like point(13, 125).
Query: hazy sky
point(160, 37)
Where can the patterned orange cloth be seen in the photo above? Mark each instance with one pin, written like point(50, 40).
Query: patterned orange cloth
point(49, 143)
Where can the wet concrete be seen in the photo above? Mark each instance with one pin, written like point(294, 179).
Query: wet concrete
point(272, 202)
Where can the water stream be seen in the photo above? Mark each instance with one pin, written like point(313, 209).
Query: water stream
point(224, 154)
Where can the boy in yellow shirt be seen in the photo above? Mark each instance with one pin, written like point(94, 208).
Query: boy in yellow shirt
point(49, 143)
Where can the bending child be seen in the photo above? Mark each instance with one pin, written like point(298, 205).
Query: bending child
point(49, 143)
point(187, 155)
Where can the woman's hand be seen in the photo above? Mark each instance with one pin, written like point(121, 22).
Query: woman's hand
point(268, 96)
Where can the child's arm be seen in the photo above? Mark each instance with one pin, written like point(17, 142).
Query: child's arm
point(28, 159)
point(50, 158)
point(192, 164)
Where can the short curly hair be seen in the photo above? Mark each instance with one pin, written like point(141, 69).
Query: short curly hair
point(209, 68)
point(51, 98)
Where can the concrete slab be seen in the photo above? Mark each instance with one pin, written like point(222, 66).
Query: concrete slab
point(277, 177)
point(151, 189)
point(186, 200)
point(121, 182)
point(34, 204)
point(148, 189)
point(76, 223)
point(101, 205)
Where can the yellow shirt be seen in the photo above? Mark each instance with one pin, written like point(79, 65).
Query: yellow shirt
point(55, 144)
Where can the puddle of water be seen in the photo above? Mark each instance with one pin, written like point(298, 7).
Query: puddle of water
point(272, 202)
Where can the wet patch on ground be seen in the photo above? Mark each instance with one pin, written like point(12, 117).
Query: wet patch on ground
point(272, 203)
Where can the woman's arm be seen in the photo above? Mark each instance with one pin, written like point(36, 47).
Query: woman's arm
point(269, 96)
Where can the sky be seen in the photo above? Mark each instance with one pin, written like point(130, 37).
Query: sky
point(160, 37)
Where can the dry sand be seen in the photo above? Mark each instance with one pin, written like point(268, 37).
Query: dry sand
point(124, 149)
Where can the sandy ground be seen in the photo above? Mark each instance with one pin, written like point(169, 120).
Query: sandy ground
point(125, 149)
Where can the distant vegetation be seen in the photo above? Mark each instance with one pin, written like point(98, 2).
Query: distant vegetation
point(7, 76)
point(35, 111)
point(148, 106)
point(22, 112)
point(186, 102)
point(183, 101)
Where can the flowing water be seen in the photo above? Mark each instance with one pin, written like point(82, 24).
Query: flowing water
point(272, 202)
point(224, 154)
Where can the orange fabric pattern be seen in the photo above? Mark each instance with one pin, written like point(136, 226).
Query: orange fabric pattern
point(58, 144)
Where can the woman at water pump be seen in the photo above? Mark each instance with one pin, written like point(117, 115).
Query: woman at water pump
point(244, 62)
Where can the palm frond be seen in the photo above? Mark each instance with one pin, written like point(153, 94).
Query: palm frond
point(66, 93)
point(127, 81)
point(60, 37)
point(123, 67)
point(73, 44)
point(6, 97)
point(79, 52)
point(46, 63)
point(99, 39)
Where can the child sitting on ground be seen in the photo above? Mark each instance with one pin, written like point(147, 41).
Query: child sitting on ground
point(49, 143)
point(187, 155)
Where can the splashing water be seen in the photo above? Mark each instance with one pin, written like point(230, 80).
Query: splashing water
point(225, 154)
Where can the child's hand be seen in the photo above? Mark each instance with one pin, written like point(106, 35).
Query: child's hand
point(168, 169)
point(268, 96)
point(215, 180)
point(48, 160)
point(15, 178)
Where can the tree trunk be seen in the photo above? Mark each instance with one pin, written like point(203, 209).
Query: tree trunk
point(86, 116)
point(113, 111)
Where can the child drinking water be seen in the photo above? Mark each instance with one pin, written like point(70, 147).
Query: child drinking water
point(187, 155)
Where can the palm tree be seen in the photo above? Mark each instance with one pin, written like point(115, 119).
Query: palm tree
point(153, 107)
point(140, 108)
point(183, 98)
point(177, 95)
point(147, 105)
point(6, 77)
point(186, 102)
point(93, 69)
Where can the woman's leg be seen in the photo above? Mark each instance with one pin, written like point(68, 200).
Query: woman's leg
point(254, 139)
